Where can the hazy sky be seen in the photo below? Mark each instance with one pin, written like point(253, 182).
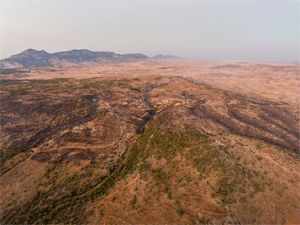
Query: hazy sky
point(244, 29)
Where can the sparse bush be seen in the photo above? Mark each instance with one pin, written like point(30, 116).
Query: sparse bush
point(133, 202)
point(259, 157)
point(180, 211)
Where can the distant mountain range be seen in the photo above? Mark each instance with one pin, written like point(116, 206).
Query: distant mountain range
point(166, 57)
point(32, 58)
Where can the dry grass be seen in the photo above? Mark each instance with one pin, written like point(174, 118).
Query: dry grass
point(163, 148)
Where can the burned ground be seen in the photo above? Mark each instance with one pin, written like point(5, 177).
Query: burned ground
point(164, 149)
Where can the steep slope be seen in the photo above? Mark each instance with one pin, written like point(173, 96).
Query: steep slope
point(149, 149)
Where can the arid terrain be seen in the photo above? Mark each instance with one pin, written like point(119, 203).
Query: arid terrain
point(151, 142)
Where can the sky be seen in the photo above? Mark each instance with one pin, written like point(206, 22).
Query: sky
point(251, 30)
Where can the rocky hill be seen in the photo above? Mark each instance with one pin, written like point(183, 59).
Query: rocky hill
point(31, 58)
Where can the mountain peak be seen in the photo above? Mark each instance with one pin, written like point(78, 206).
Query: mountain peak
point(33, 51)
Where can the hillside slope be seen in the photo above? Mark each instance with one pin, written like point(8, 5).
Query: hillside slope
point(143, 150)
